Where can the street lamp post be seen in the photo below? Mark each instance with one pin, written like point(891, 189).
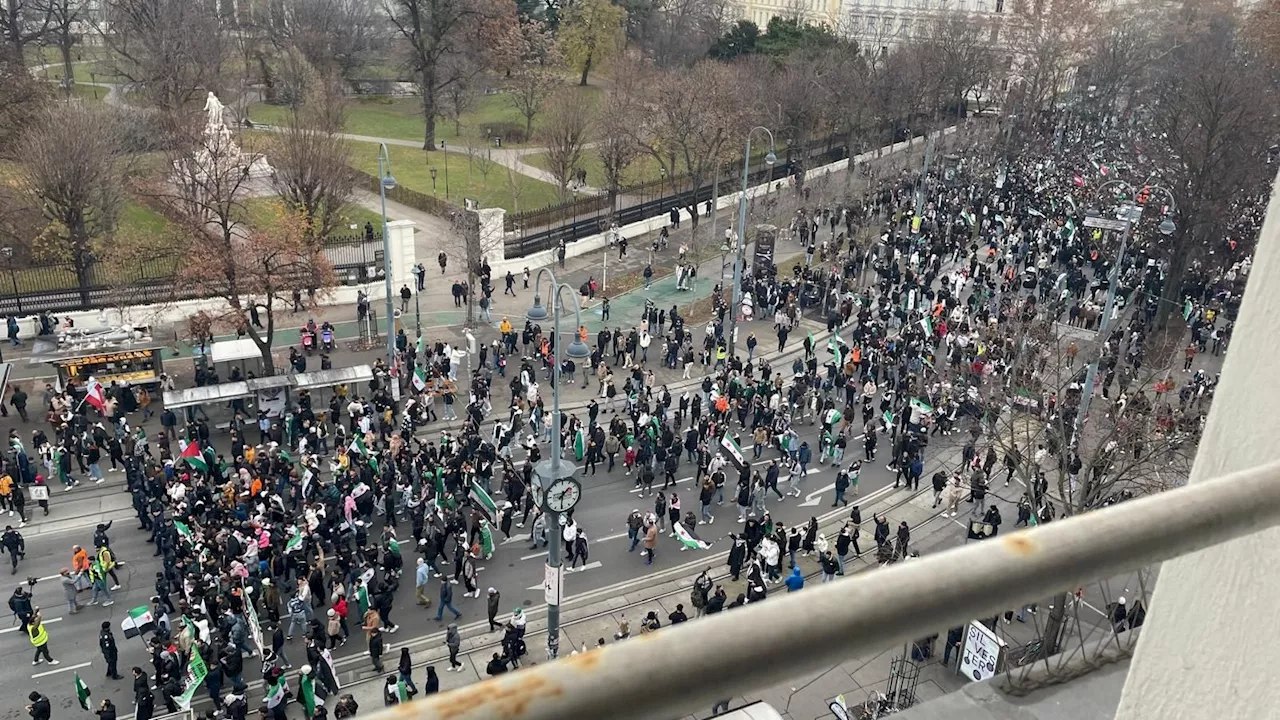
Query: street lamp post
point(1166, 228)
point(735, 295)
point(433, 181)
point(559, 490)
point(418, 272)
point(445, 152)
point(387, 182)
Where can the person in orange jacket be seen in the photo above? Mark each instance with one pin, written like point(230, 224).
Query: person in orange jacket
point(79, 559)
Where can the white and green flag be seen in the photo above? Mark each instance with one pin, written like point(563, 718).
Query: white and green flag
point(137, 622)
point(921, 406)
point(184, 531)
point(295, 542)
point(688, 541)
point(192, 679)
point(579, 444)
point(357, 446)
point(419, 379)
point(276, 693)
point(1188, 308)
point(486, 503)
point(307, 691)
point(82, 693)
point(735, 452)
point(837, 351)
point(927, 326)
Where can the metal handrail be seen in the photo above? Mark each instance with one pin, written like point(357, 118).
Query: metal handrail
point(679, 669)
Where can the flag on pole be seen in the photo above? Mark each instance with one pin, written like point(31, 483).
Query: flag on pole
point(357, 446)
point(95, 395)
point(579, 444)
point(927, 326)
point(834, 346)
point(307, 691)
point(735, 452)
point(295, 542)
point(688, 541)
point(419, 379)
point(184, 530)
point(192, 456)
point(422, 344)
point(82, 693)
point(481, 498)
point(137, 622)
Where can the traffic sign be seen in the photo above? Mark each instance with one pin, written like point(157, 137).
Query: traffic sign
point(1102, 223)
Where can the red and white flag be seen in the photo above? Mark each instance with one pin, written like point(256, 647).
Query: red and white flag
point(96, 395)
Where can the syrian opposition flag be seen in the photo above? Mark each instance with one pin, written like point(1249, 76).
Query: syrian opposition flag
point(184, 531)
point(921, 406)
point(422, 345)
point(192, 456)
point(96, 395)
point(138, 621)
point(362, 599)
point(419, 379)
point(327, 658)
point(276, 694)
point(837, 353)
point(295, 542)
point(833, 416)
point(735, 452)
point(307, 691)
point(927, 326)
point(482, 499)
point(82, 693)
point(688, 541)
point(579, 444)
point(357, 446)
point(307, 477)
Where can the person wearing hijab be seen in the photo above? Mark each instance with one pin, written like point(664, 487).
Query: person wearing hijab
point(431, 685)
point(406, 672)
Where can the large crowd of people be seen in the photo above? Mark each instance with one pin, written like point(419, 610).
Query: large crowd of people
point(944, 299)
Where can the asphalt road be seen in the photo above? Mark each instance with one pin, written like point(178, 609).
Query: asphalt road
point(515, 570)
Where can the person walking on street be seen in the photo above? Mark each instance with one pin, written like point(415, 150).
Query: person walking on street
point(494, 600)
point(142, 695)
point(446, 601)
point(39, 639)
point(406, 672)
point(376, 648)
point(110, 653)
point(69, 590)
point(15, 545)
point(453, 640)
point(421, 578)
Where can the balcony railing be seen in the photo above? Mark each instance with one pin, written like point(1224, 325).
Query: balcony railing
point(690, 666)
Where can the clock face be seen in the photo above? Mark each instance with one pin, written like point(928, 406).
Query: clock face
point(563, 495)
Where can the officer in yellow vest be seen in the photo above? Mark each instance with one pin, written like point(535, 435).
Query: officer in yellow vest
point(39, 638)
point(107, 562)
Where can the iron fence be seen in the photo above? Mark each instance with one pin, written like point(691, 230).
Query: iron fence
point(60, 287)
point(537, 230)
point(414, 199)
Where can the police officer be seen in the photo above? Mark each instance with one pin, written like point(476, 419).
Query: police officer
point(110, 653)
point(15, 545)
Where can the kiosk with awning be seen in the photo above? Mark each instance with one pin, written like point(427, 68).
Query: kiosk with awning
point(124, 363)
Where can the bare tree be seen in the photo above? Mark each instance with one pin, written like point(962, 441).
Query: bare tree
point(534, 77)
point(479, 150)
point(170, 50)
point(22, 98)
point(237, 264)
point(693, 119)
point(614, 128)
point(473, 239)
point(961, 45)
point(1122, 51)
point(1047, 38)
point(312, 161)
point(515, 185)
point(564, 132)
point(75, 160)
point(1217, 116)
point(678, 32)
point(460, 95)
point(22, 22)
point(336, 36)
point(434, 31)
point(64, 18)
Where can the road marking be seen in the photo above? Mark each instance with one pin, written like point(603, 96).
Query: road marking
point(61, 669)
point(567, 571)
point(16, 629)
point(534, 555)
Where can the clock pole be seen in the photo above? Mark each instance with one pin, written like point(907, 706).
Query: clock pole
point(556, 468)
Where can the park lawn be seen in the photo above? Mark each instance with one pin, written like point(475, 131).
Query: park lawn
point(411, 168)
point(643, 169)
point(142, 221)
point(401, 117)
point(263, 213)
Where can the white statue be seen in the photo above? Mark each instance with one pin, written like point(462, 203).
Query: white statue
point(213, 112)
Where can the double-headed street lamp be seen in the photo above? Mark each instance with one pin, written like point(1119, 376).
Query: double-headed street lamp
point(735, 296)
point(1094, 218)
point(559, 490)
point(385, 183)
